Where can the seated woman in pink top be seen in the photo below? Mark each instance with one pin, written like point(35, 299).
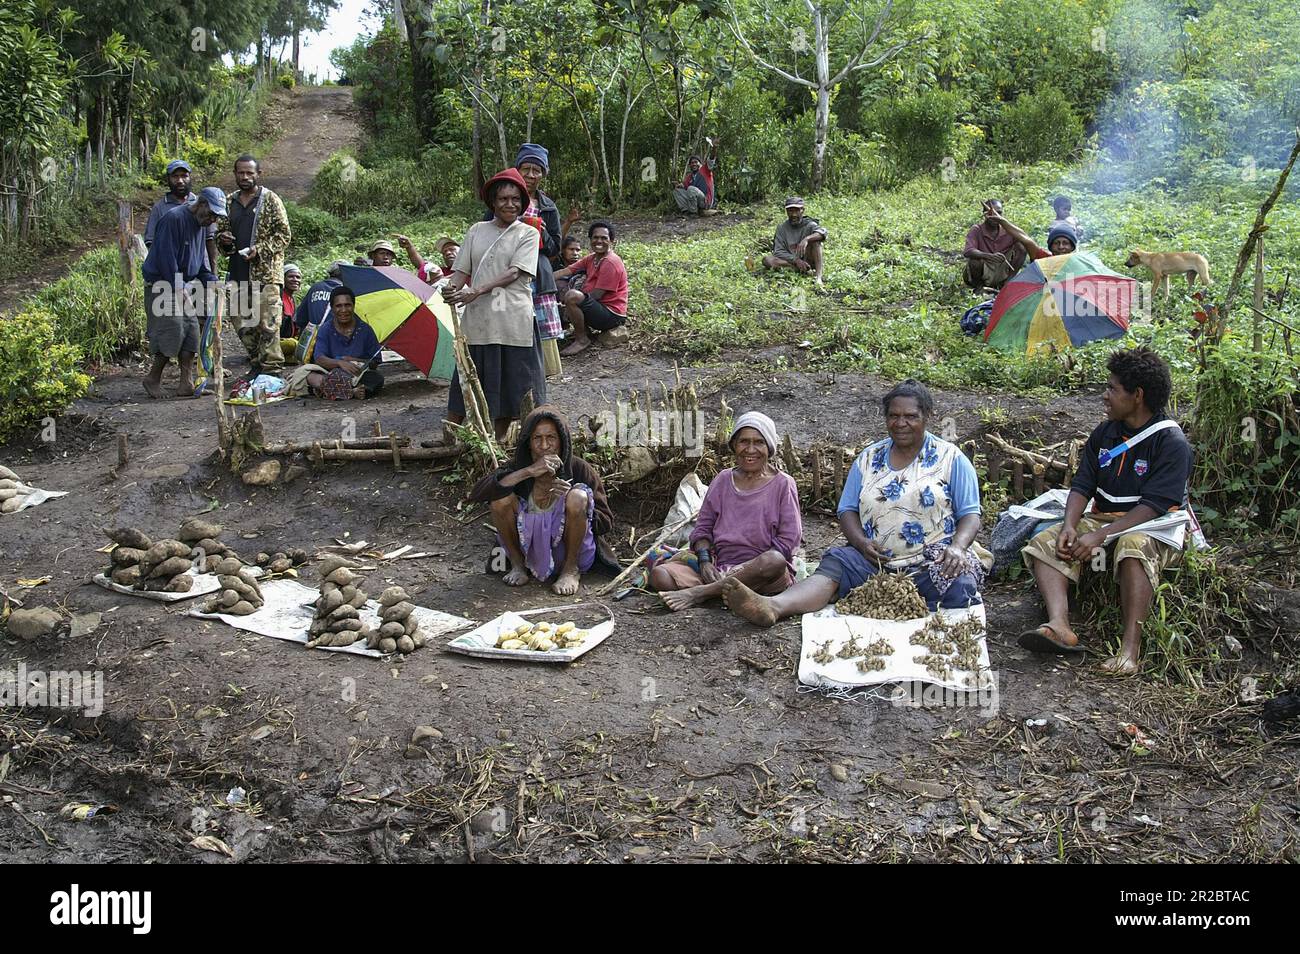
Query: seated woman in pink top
point(748, 528)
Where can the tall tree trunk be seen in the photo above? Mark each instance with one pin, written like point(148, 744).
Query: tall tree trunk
point(297, 73)
point(822, 40)
point(426, 120)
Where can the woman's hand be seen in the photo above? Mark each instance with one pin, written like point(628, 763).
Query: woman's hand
point(547, 466)
point(954, 560)
point(872, 552)
point(708, 572)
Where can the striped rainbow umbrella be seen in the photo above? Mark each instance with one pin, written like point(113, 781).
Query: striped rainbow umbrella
point(1060, 302)
point(407, 315)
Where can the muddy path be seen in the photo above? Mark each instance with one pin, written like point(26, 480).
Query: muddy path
point(682, 737)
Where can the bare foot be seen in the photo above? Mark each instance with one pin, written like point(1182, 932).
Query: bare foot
point(747, 604)
point(1121, 665)
point(567, 584)
point(579, 345)
point(152, 388)
point(681, 599)
point(517, 576)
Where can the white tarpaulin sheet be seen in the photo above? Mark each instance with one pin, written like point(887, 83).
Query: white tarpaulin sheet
point(826, 625)
point(287, 614)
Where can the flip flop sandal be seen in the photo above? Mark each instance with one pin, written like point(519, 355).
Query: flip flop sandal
point(1037, 641)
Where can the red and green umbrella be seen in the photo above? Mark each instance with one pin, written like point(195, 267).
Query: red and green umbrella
point(407, 316)
point(1060, 302)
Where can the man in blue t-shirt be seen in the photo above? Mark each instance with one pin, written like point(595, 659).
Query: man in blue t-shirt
point(175, 271)
point(1134, 468)
point(348, 351)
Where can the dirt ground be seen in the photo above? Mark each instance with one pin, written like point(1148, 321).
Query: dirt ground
point(683, 737)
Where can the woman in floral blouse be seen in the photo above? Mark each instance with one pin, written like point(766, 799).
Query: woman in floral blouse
point(910, 505)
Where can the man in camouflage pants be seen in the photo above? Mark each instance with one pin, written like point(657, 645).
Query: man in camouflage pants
point(255, 233)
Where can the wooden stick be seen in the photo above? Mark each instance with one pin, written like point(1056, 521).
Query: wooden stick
point(122, 455)
point(663, 535)
point(362, 443)
point(1257, 336)
point(219, 372)
point(1248, 248)
point(1029, 457)
point(816, 475)
point(440, 452)
point(1018, 478)
point(396, 451)
point(1040, 472)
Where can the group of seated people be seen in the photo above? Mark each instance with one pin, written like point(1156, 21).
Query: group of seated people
point(996, 249)
point(910, 504)
point(518, 282)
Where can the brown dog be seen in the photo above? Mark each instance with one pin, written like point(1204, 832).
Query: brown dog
point(1164, 264)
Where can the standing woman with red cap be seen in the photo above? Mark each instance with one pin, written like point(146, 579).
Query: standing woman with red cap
point(493, 280)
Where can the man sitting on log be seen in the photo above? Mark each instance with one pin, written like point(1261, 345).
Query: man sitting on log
point(1135, 467)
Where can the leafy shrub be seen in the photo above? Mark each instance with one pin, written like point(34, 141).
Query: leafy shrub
point(37, 377)
point(345, 186)
point(310, 226)
point(919, 128)
point(1039, 126)
point(286, 80)
point(93, 309)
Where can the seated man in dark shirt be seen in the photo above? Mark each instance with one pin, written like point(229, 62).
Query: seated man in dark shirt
point(1134, 467)
point(992, 254)
point(348, 350)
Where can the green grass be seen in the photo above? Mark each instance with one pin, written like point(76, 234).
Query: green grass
point(893, 299)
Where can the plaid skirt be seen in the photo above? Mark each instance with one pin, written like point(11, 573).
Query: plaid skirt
point(547, 310)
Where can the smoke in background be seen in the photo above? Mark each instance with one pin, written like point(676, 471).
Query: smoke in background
point(1207, 93)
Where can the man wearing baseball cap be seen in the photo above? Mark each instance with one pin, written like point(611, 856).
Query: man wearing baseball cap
point(177, 259)
point(180, 191)
point(798, 242)
point(429, 271)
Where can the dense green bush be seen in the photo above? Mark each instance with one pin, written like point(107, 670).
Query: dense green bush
point(38, 375)
point(93, 309)
point(1039, 126)
point(310, 226)
point(344, 186)
point(919, 129)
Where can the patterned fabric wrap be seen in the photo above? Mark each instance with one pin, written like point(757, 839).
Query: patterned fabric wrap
point(905, 511)
point(337, 386)
point(933, 557)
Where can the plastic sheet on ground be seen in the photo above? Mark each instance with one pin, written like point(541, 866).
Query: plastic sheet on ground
point(204, 583)
point(482, 642)
point(826, 625)
point(286, 613)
